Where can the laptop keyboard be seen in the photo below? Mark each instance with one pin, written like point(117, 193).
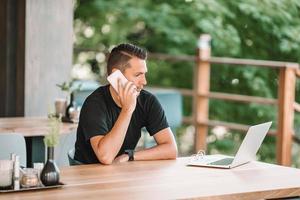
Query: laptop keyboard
point(224, 161)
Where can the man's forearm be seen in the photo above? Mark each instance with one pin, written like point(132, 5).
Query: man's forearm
point(110, 144)
point(159, 152)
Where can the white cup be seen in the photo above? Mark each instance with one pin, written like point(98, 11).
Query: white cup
point(39, 167)
point(60, 106)
point(74, 115)
point(6, 172)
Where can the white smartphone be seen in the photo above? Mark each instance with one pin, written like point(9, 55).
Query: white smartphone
point(114, 77)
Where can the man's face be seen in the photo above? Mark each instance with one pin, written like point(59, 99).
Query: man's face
point(136, 73)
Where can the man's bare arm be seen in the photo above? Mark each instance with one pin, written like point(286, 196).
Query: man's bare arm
point(166, 148)
point(107, 147)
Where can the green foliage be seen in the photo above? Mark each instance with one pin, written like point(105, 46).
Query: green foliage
point(256, 29)
point(52, 138)
point(69, 86)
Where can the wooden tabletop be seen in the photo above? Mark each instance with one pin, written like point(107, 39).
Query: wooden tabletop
point(170, 179)
point(31, 126)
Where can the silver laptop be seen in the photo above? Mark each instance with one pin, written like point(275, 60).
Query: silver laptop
point(247, 151)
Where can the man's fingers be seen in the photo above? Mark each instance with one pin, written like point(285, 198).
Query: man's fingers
point(120, 88)
point(129, 87)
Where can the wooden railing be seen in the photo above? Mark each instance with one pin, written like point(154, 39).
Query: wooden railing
point(201, 94)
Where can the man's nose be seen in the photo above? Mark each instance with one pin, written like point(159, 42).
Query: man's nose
point(144, 80)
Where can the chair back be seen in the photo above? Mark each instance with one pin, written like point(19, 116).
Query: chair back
point(13, 143)
point(171, 102)
point(86, 88)
point(66, 142)
point(72, 161)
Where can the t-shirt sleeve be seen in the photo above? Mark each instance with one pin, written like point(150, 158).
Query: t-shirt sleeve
point(156, 118)
point(93, 119)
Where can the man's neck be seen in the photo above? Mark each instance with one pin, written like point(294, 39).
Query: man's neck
point(115, 96)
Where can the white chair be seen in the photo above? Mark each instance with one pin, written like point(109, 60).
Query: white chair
point(66, 142)
point(72, 161)
point(13, 143)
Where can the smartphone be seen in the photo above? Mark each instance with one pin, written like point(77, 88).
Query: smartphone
point(114, 77)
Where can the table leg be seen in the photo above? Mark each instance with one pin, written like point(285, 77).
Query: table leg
point(35, 148)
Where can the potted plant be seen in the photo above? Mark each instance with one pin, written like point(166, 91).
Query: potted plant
point(50, 172)
point(69, 87)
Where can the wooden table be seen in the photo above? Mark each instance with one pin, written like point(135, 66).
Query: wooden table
point(33, 129)
point(170, 179)
point(31, 126)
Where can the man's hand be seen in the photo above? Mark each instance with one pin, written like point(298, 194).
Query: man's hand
point(166, 147)
point(127, 96)
point(122, 158)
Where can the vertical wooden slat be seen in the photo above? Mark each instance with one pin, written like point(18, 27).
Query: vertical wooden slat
point(12, 57)
point(3, 57)
point(201, 87)
point(20, 54)
point(286, 97)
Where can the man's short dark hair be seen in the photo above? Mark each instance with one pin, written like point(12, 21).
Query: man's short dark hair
point(120, 55)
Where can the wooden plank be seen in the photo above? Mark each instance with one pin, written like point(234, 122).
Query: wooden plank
point(20, 62)
point(224, 60)
point(3, 57)
point(297, 72)
point(213, 60)
point(183, 92)
point(31, 126)
point(286, 98)
point(233, 126)
point(187, 120)
point(242, 98)
point(227, 96)
point(261, 63)
point(229, 125)
point(12, 55)
point(170, 179)
point(172, 58)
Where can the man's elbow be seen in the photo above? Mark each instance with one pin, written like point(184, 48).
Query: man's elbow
point(105, 159)
point(173, 151)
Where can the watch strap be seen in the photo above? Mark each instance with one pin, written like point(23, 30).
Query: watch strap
point(130, 153)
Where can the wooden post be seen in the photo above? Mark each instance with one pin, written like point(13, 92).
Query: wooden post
point(286, 98)
point(12, 57)
point(201, 89)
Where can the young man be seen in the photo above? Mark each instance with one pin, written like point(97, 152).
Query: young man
point(110, 123)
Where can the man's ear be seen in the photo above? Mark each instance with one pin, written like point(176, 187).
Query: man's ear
point(114, 69)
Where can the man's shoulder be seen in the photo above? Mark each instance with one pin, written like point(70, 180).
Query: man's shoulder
point(146, 94)
point(94, 104)
point(100, 92)
point(148, 100)
point(98, 96)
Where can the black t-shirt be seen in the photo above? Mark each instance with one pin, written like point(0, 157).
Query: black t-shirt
point(99, 114)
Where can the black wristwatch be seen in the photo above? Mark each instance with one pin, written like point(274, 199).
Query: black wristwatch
point(130, 154)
